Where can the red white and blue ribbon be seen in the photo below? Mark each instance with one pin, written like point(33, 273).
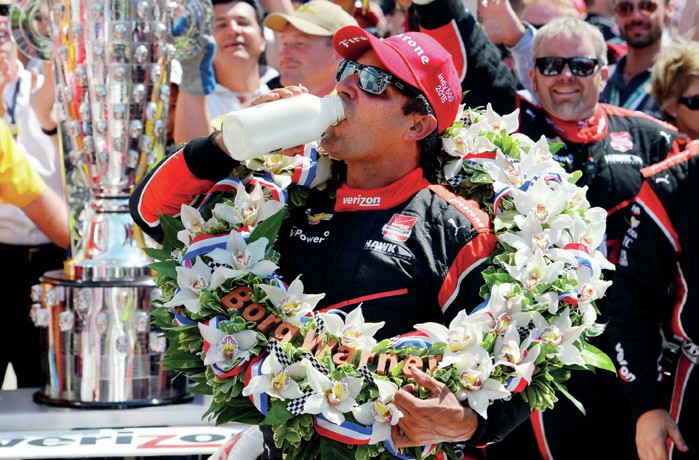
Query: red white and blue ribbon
point(259, 400)
point(203, 244)
point(582, 255)
point(305, 172)
point(516, 384)
point(348, 432)
point(225, 185)
point(266, 182)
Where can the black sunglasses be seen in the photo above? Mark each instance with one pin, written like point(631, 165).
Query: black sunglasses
point(579, 66)
point(644, 6)
point(692, 102)
point(373, 80)
point(4, 10)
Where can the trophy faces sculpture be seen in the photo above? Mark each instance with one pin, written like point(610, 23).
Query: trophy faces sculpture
point(112, 61)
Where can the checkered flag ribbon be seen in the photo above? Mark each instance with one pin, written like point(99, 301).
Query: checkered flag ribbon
point(274, 347)
point(314, 362)
point(319, 321)
point(393, 341)
point(457, 179)
point(296, 406)
point(366, 373)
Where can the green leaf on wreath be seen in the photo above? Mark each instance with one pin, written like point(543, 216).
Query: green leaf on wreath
point(278, 414)
point(268, 228)
point(166, 268)
point(596, 357)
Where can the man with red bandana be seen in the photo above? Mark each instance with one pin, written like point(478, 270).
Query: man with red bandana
point(609, 145)
point(407, 250)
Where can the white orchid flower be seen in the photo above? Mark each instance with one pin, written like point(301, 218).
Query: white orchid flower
point(227, 350)
point(353, 331)
point(497, 123)
point(545, 200)
point(191, 281)
point(276, 380)
point(239, 258)
point(280, 166)
point(332, 398)
point(248, 209)
point(474, 369)
point(194, 224)
point(292, 302)
point(505, 171)
point(535, 271)
point(465, 332)
point(381, 414)
point(590, 235)
point(467, 141)
point(509, 352)
point(561, 335)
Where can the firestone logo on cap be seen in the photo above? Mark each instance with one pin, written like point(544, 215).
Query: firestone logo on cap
point(416, 48)
point(349, 41)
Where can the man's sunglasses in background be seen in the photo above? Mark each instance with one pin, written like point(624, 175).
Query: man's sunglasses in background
point(579, 66)
point(692, 102)
point(646, 7)
point(373, 80)
point(4, 10)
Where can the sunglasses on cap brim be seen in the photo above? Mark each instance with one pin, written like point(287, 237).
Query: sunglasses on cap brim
point(691, 102)
point(644, 6)
point(579, 66)
point(374, 80)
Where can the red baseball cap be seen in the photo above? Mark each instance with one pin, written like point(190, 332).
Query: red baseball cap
point(414, 57)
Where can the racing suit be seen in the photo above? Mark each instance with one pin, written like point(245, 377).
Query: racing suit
point(610, 148)
point(656, 284)
point(408, 253)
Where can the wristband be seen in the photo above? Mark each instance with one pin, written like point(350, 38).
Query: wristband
point(50, 132)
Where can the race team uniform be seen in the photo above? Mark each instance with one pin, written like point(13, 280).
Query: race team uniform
point(656, 283)
point(408, 253)
point(610, 149)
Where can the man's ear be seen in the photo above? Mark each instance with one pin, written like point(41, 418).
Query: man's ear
point(420, 127)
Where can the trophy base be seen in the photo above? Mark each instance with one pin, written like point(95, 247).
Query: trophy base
point(99, 349)
point(41, 398)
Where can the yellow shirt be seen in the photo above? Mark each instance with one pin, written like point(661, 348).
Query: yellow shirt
point(20, 184)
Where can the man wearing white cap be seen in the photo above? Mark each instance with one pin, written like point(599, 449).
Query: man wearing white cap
point(307, 56)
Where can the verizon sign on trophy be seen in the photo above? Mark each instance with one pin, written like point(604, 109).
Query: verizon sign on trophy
point(112, 60)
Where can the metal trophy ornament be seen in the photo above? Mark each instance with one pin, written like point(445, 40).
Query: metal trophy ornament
point(112, 60)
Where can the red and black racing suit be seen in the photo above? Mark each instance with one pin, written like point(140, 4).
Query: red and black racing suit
point(409, 252)
point(657, 282)
point(610, 149)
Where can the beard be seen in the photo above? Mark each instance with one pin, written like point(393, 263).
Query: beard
point(644, 40)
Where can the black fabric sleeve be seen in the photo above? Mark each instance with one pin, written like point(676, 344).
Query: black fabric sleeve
point(206, 160)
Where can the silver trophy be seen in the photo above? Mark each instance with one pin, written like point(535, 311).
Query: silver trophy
point(112, 60)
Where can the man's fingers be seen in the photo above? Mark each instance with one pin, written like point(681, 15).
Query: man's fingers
point(424, 380)
point(677, 438)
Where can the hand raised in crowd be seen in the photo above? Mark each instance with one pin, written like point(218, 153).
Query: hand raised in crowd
point(43, 95)
point(500, 22)
point(653, 428)
point(438, 418)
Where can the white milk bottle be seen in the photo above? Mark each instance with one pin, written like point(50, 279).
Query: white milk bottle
point(281, 124)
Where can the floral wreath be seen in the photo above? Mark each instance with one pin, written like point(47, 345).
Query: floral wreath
point(239, 332)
